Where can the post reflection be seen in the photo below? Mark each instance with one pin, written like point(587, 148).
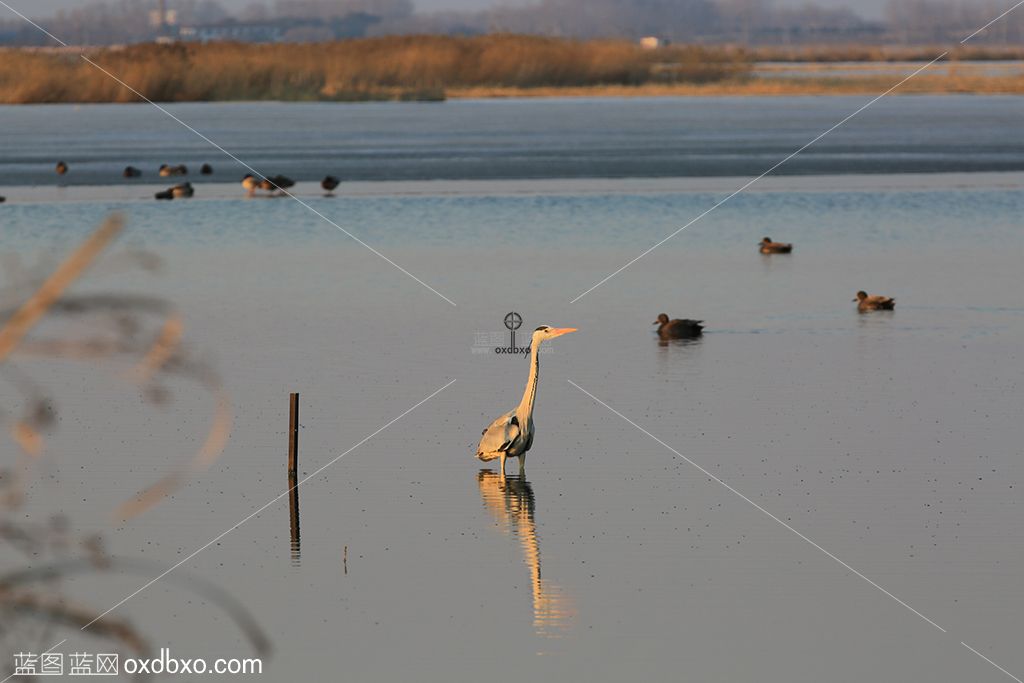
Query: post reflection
point(293, 518)
point(510, 501)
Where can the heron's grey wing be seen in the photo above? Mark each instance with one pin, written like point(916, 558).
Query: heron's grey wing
point(529, 439)
point(500, 434)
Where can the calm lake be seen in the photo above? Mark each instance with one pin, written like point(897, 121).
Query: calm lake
point(891, 441)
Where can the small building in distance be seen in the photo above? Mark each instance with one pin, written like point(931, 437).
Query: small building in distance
point(282, 30)
point(242, 31)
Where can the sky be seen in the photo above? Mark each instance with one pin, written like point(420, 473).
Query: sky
point(40, 8)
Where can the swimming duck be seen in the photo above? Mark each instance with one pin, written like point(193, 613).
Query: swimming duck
point(131, 172)
point(3, 199)
point(250, 183)
point(61, 168)
point(165, 194)
point(875, 302)
point(329, 183)
point(206, 169)
point(678, 328)
point(769, 247)
point(278, 182)
point(166, 171)
point(183, 190)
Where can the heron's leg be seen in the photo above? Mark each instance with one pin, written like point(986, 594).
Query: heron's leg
point(522, 463)
point(503, 456)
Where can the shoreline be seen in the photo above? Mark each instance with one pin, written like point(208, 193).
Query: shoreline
point(818, 86)
point(945, 84)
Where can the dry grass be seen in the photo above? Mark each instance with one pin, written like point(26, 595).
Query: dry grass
point(105, 327)
point(436, 67)
point(883, 53)
point(410, 67)
point(836, 85)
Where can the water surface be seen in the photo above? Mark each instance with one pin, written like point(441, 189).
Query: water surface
point(892, 440)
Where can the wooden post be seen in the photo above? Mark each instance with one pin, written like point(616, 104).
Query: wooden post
point(293, 435)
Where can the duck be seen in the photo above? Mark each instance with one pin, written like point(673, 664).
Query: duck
point(683, 328)
point(874, 302)
point(131, 172)
point(329, 184)
point(183, 190)
point(165, 194)
point(61, 168)
point(769, 247)
point(166, 171)
point(2, 199)
point(250, 183)
point(206, 169)
point(278, 182)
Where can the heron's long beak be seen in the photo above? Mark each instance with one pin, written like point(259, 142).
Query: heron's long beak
point(559, 331)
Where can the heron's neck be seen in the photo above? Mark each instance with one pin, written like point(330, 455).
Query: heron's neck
point(525, 408)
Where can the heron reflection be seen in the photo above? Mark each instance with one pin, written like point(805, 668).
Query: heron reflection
point(510, 501)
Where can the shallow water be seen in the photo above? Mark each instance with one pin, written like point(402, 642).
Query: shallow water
point(891, 440)
point(533, 138)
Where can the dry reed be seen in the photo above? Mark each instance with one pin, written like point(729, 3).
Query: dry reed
point(33, 604)
point(400, 67)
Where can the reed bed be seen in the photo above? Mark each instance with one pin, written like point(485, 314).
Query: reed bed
point(884, 53)
point(437, 67)
point(767, 87)
point(404, 67)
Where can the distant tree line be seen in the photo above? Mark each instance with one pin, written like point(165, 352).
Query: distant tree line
point(750, 22)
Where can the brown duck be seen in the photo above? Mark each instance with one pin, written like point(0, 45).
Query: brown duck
point(769, 247)
point(678, 328)
point(875, 302)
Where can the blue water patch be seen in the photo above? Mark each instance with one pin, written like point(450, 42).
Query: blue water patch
point(813, 220)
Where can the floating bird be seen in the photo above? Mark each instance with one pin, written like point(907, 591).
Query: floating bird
point(206, 169)
point(511, 435)
point(180, 191)
point(329, 183)
point(131, 172)
point(3, 199)
point(167, 171)
point(278, 182)
point(183, 190)
point(250, 183)
point(875, 302)
point(62, 168)
point(769, 247)
point(678, 328)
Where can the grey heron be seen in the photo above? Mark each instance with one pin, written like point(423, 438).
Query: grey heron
point(769, 247)
point(511, 435)
point(679, 328)
point(875, 302)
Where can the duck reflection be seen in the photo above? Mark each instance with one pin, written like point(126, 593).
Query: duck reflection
point(510, 501)
point(665, 343)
